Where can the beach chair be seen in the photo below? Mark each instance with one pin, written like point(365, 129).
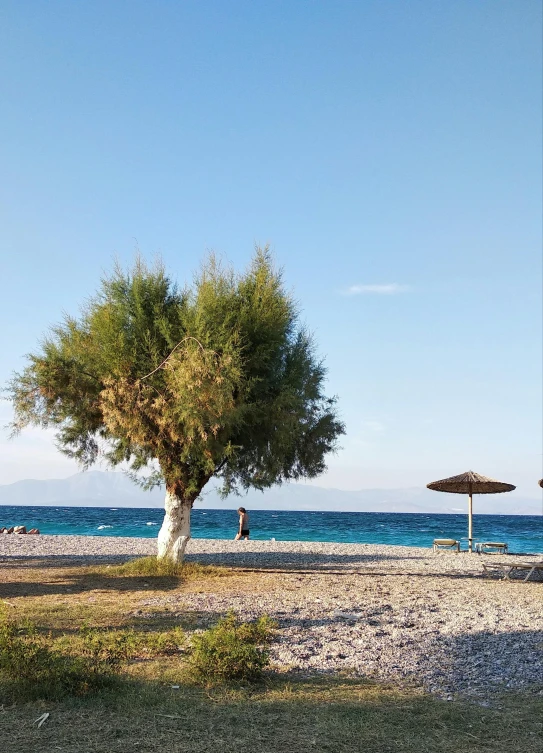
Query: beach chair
point(446, 544)
point(491, 547)
point(508, 569)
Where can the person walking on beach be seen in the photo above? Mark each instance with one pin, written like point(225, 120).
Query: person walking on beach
point(243, 525)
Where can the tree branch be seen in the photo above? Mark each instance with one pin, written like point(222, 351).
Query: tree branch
point(188, 337)
point(86, 373)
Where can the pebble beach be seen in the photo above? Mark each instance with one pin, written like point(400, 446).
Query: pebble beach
point(396, 614)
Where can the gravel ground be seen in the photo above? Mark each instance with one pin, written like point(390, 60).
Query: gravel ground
point(389, 612)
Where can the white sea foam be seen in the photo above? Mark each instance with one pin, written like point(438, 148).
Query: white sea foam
point(151, 524)
point(101, 528)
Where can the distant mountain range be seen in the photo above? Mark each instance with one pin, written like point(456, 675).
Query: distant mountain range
point(110, 489)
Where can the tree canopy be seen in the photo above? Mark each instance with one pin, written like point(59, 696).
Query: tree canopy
point(215, 379)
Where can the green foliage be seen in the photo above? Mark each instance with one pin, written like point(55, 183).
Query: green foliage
point(162, 643)
point(32, 668)
point(116, 646)
point(214, 380)
point(231, 650)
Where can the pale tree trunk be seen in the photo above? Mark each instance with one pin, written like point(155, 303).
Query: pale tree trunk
point(174, 534)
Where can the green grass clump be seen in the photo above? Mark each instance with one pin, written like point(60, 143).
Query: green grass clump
point(163, 643)
point(32, 668)
point(163, 568)
point(231, 651)
point(148, 566)
point(124, 643)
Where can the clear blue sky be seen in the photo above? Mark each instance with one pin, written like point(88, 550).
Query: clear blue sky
point(390, 154)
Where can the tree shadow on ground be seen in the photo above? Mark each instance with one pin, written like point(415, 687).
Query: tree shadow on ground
point(52, 561)
point(228, 559)
point(490, 662)
point(292, 560)
point(366, 571)
point(297, 562)
point(88, 582)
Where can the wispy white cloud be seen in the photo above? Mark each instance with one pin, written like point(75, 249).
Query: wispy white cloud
point(391, 288)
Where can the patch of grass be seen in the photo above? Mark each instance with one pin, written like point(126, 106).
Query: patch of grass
point(280, 716)
point(52, 616)
point(231, 651)
point(130, 643)
point(32, 668)
point(163, 568)
point(59, 600)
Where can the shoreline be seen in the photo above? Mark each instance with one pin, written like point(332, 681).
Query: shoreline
point(310, 554)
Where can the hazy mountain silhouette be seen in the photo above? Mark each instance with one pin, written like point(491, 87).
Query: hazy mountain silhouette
point(110, 489)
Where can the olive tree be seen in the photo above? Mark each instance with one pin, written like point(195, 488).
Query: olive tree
point(217, 379)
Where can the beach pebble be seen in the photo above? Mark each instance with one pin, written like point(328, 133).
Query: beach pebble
point(346, 616)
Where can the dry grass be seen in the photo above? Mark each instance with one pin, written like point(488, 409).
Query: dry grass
point(305, 716)
point(61, 599)
point(283, 714)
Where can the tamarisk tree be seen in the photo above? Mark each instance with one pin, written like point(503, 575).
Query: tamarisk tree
point(182, 385)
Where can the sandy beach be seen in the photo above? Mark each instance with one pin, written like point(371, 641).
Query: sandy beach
point(392, 613)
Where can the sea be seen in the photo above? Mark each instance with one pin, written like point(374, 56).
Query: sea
point(523, 533)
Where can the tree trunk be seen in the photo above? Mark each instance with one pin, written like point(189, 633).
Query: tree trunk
point(174, 534)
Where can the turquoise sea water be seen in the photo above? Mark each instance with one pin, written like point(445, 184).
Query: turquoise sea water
point(523, 533)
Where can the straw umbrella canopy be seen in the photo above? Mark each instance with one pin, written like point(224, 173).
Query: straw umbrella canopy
point(540, 482)
point(470, 483)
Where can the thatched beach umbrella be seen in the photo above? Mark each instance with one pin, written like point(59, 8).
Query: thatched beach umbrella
point(470, 483)
point(540, 482)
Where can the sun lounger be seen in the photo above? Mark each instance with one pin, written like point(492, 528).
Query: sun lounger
point(491, 547)
point(446, 544)
point(508, 569)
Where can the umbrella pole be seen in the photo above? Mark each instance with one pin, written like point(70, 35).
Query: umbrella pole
point(470, 521)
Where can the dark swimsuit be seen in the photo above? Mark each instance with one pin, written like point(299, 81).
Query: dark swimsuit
point(245, 532)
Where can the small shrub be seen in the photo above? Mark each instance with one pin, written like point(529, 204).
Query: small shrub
point(31, 668)
point(231, 650)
